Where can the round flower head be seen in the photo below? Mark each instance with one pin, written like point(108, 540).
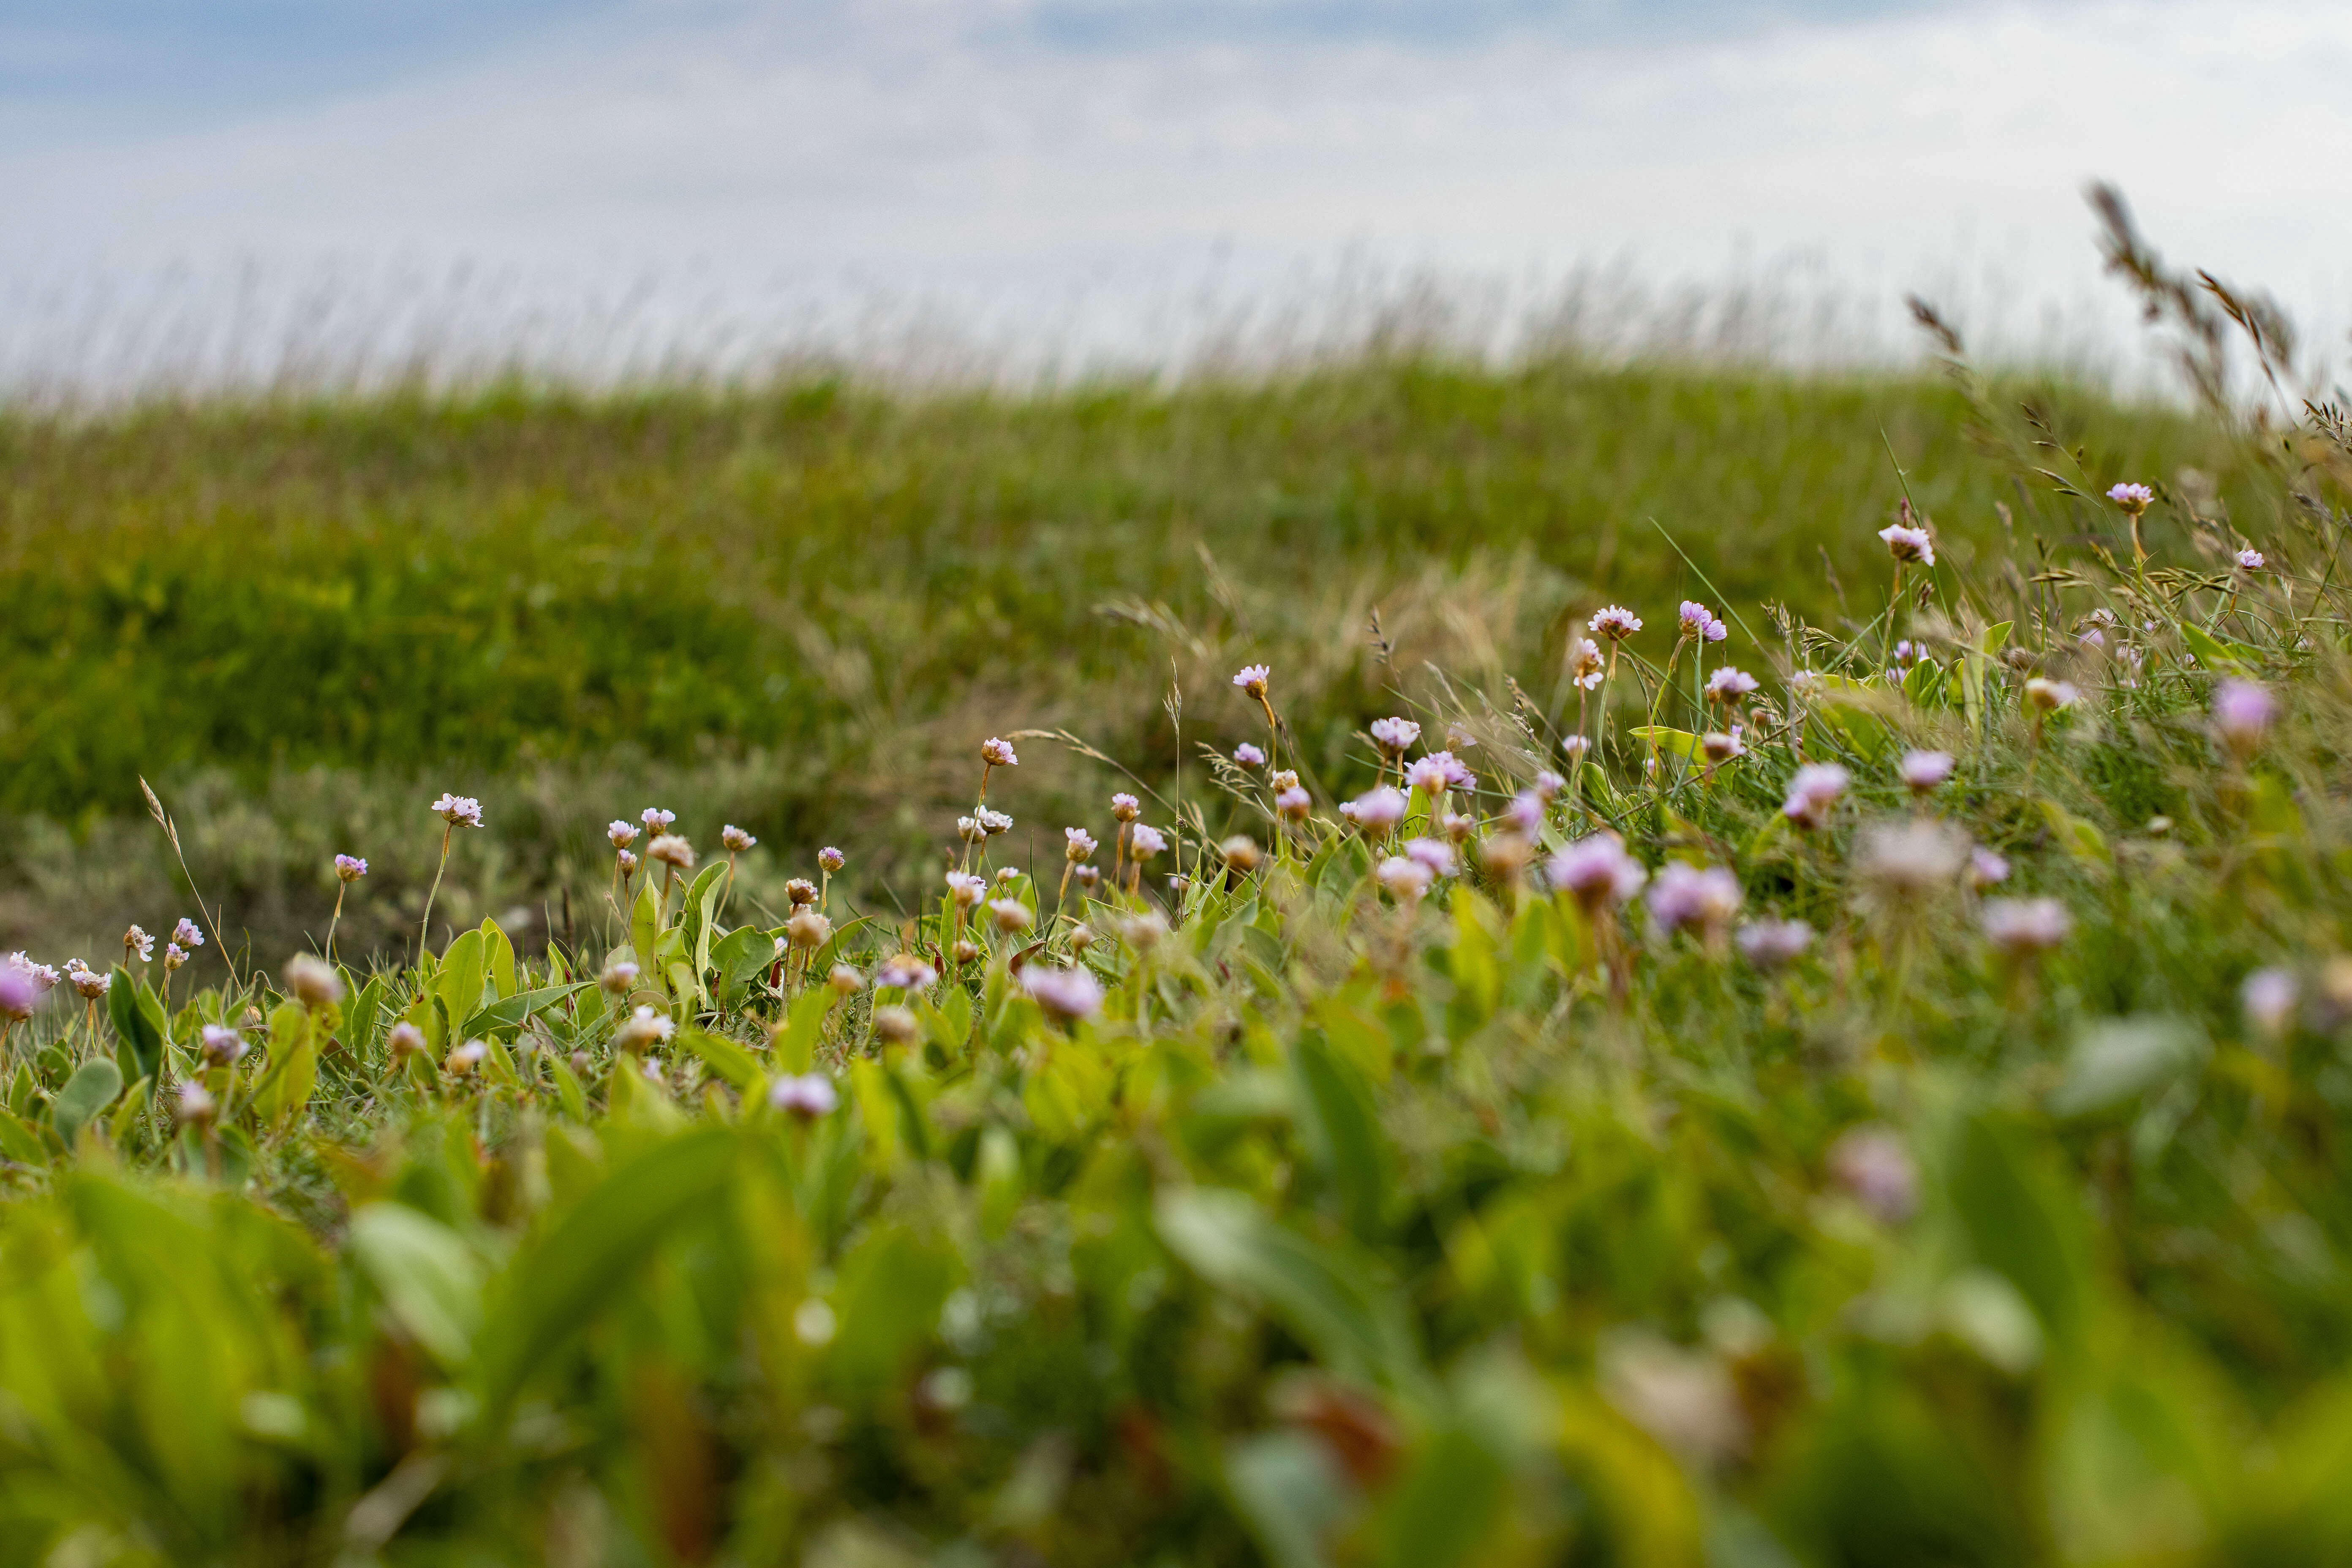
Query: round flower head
point(1695, 619)
point(2049, 695)
point(734, 839)
point(1525, 815)
point(619, 978)
point(406, 1039)
point(1007, 874)
point(1687, 896)
point(807, 1096)
point(1435, 854)
point(1877, 1172)
point(136, 941)
point(175, 955)
point(311, 981)
point(994, 822)
point(627, 863)
point(2242, 715)
point(467, 1056)
point(1730, 685)
point(1252, 678)
point(223, 1046)
point(1125, 807)
point(1144, 841)
point(969, 829)
point(1249, 756)
point(1294, 804)
point(1065, 993)
point(2021, 927)
point(656, 819)
point(348, 868)
point(622, 834)
point(1009, 915)
point(1241, 853)
point(190, 935)
point(1923, 771)
point(643, 1029)
point(1396, 736)
point(459, 811)
point(2250, 559)
point(1768, 944)
point(1597, 869)
point(808, 931)
point(1814, 793)
point(2269, 997)
point(671, 849)
point(905, 971)
point(1585, 665)
point(20, 991)
point(1077, 844)
point(1283, 779)
point(2134, 499)
point(1616, 622)
point(194, 1106)
point(1907, 653)
point(967, 889)
point(1548, 785)
point(997, 753)
point(1906, 544)
point(1575, 748)
point(1405, 878)
point(1909, 859)
point(830, 860)
point(1721, 746)
point(1986, 868)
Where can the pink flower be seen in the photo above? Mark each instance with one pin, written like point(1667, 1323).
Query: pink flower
point(1144, 841)
point(2250, 559)
point(1526, 812)
point(997, 753)
point(1396, 736)
point(806, 1095)
point(1252, 678)
point(1077, 844)
point(1596, 869)
point(2242, 712)
point(1615, 622)
point(190, 935)
point(2269, 996)
point(1698, 621)
point(1923, 771)
point(1906, 544)
point(1065, 993)
point(967, 889)
point(1249, 756)
point(20, 991)
point(1730, 685)
point(1125, 807)
point(1585, 664)
point(734, 839)
point(349, 867)
point(1404, 878)
point(459, 810)
point(627, 862)
point(1876, 1169)
point(2133, 498)
point(656, 819)
point(1684, 895)
point(1814, 793)
point(905, 971)
point(832, 859)
point(1378, 810)
point(1768, 944)
point(622, 834)
point(1435, 854)
point(1575, 747)
point(1986, 869)
point(1294, 804)
point(2021, 927)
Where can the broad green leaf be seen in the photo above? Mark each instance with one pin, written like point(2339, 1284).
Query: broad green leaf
point(2022, 1220)
point(1291, 1493)
point(500, 958)
point(741, 954)
point(463, 967)
point(510, 1014)
point(1333, 1302)
point(699, 913)
point(1673, 742)
point(429, 1278)
point(557, 1285)
point(888, 1303)
point(293, 1072)
point(126, 1115)
point(138, 1019)
point(2212, 653)
point(1994, 638)
point(728, 1060)
point(803, 1027)
point(2119, 1060)
point(645, 923)
point(90, 1090)
point(1343, 1133)
point(18, 1141)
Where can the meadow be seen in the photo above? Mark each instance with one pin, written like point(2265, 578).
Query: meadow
point(1402, 964)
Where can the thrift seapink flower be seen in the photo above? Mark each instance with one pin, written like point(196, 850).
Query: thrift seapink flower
point(1124, 808)
point(1768, 944)
point(1698, 621)
point(1249, 756)
point(1241, 853)
point(1294, 804)
point(997, 753)
point(1877, 1172)
point(1143, 841)
point(966, 888)
point(1065, 993)
point(672, 850)
point(1286, 778)
point(643, 1029)
point(1907, 653)
point(656, 819)
point(2269, 996)
point(1986, 869)
point(1077, 844)
point(734, 840)
point(619, 978)
point(1615, 622)
point(808, 931)
point(2134, 499)
point(1526, 812)
point(459, 811)
point(1912, 858)
point(830, 860)
point(175, 955)
point(467, 1056)
point(193, 1106)
point(190, 935)
point(2023, 927)
point(1730, 685)
point(138, 944)
point(627, 862)
point(1252, 678)
point(1575, 747)
point(1684, 895)
point(807, 1096)
point(2242, 714)
point(969, 829)
point(1814, 794)
point(1548, 784)
point(312, 982)
point(347, 869)
point(1908, 543)
point(405, 1040)
point(1009, 915)
point(1396, 736)
point(844, 980)
point(905, 971)
point(46, 976)
point(1585, 665)
point(1404, 878)
point(1923, 771)
point(2049, 695)
point(2250, 559)
point(896, 1026)
point(1432, 853)
point(622, 834)
point(88, 981)
point(1597, 869)
point(1721, 746)
point(225, 1046)
point(994, 822)
point(20, 991)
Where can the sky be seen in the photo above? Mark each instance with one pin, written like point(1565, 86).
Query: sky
point(206, 191)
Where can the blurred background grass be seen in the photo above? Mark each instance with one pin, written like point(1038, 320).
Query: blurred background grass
point(800, 608)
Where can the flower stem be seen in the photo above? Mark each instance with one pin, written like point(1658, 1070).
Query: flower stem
point(424, 928)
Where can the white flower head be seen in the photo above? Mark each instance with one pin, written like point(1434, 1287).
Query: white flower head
point(458, 810)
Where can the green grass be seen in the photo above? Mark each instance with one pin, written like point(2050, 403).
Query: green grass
point(789, 607)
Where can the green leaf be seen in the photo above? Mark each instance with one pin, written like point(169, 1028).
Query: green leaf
point(2121, 1059)
point(728, 1060)
point(796, 1042)
point(19, 1142)
point(891, 1288)
point(138, 1019)
point(1441, 1509)
point(741, 954)
point(430, 1281)
point(1331, 1300)
point(2023, 1221)
point(1674, 742)
point(2212, 653)
point(1343, 1133)
point(1291, 1493)
point(1994, 638)
point(499, 957)
point(90, 1090)
point(293, 1072)
point(463, 969)
point(645, 924)
point(507, 1016)
point(579, 1266)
